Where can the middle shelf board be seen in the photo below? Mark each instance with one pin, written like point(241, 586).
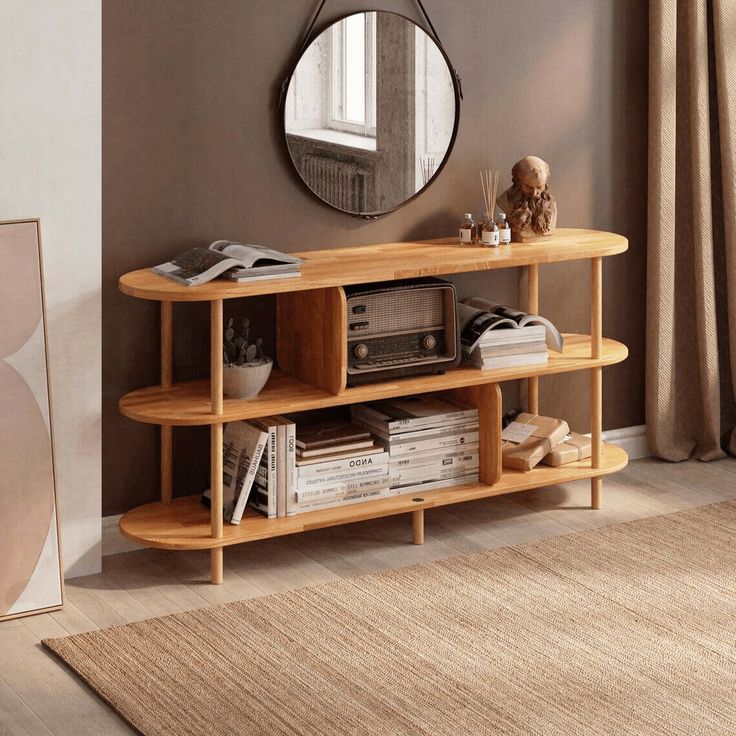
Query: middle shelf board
point(188, 404)
point(185, 523)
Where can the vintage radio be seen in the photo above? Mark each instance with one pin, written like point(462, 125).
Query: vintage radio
point(401, 328)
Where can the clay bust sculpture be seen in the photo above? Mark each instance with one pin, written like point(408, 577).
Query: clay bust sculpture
point(530, 209)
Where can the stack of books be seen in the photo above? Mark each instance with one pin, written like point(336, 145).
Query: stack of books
point(506, 348)
point(337, 463)
point(279, 468)
point(497, 336)
point(431, 441)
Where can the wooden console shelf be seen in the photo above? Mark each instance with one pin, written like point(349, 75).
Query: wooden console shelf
point(188, 404)
point(185, 523)
point(385, 262)
point(312, 376)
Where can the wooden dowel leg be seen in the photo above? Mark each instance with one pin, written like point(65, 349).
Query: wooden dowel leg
point(417, 526)
point(216, 356)
point(216, 498)
point(216, 437)
point(596, 308)
point(596, 487)
point(596, 432)
point(533, 394)
point(532, 303)
point(167, 345)
point(216, 562)
point(167, 462)
point(532, 306)
point(596, 378)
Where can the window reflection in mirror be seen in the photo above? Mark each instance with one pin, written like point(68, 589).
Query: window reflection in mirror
point(370, 112)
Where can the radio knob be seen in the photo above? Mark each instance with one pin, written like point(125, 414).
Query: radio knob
point(360, 350)
point(429, 342)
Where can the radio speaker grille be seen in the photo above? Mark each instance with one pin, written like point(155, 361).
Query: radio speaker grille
point(406, 310)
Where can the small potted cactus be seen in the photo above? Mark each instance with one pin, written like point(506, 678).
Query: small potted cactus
point(245, 368)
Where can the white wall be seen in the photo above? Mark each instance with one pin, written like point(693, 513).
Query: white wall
point(50, 123)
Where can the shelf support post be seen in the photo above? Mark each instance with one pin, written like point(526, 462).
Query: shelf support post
point(533, 308)
point(216, 554)
point(417, 526)
point(596, 382)
point(167, 343)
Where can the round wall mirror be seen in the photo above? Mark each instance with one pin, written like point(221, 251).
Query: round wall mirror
point(371, 112)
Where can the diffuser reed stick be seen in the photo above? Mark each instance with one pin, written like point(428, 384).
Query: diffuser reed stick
point(489, 184)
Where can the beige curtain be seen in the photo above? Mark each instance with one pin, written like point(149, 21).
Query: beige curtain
point(691, 252)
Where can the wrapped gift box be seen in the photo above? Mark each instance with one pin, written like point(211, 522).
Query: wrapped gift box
point(529, 438)
point(574, 447)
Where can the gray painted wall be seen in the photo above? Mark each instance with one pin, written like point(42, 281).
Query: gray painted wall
point(192, 151)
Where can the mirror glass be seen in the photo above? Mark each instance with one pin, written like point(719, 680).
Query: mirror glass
point(371, 112)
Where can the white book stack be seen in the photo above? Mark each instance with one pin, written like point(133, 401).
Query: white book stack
point(496, 336)
point(337, 463)
point(431, 441)
point(507, 348)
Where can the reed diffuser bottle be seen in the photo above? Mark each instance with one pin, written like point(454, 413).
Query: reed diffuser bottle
point(489, 236)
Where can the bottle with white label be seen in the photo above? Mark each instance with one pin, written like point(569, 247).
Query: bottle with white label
point(504, 231)
point(467, 230)
point(490, 237)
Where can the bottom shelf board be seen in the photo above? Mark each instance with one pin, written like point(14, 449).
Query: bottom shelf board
point(185, 523)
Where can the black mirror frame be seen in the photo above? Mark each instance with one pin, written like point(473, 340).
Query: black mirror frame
point(456, 90)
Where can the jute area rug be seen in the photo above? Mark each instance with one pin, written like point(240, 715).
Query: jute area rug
point(624, 630)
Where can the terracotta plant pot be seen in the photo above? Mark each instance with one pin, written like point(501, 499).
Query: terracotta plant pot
point(245, 381)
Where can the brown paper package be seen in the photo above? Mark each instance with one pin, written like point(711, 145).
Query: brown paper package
point(526, 455)
point(577, 447)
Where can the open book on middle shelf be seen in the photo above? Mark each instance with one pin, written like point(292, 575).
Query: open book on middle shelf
point(497, 336)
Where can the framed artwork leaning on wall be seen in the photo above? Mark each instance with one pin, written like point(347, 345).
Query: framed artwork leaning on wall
point(30, 558)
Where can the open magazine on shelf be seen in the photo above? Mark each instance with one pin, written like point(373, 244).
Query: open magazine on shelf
point(235, 261)
point(478, 316)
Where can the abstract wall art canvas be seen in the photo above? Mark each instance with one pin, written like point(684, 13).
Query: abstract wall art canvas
point(30, 564)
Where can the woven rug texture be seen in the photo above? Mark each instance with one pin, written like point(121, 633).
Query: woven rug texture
point(629, 629)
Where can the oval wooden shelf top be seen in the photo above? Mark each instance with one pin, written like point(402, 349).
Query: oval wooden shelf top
point(187, 404)
point(185, 522)
point(385, 262)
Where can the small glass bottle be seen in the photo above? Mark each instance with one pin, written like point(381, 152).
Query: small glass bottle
point(490, 237)
point(504, 231)
point(467, 230)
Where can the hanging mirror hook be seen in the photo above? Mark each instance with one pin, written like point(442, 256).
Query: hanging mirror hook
point(310, 28)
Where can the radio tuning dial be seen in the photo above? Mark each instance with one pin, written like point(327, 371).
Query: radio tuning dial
point(360, 350)
point(429, 342)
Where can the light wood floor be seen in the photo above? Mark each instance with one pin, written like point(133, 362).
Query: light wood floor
point(39, 696)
